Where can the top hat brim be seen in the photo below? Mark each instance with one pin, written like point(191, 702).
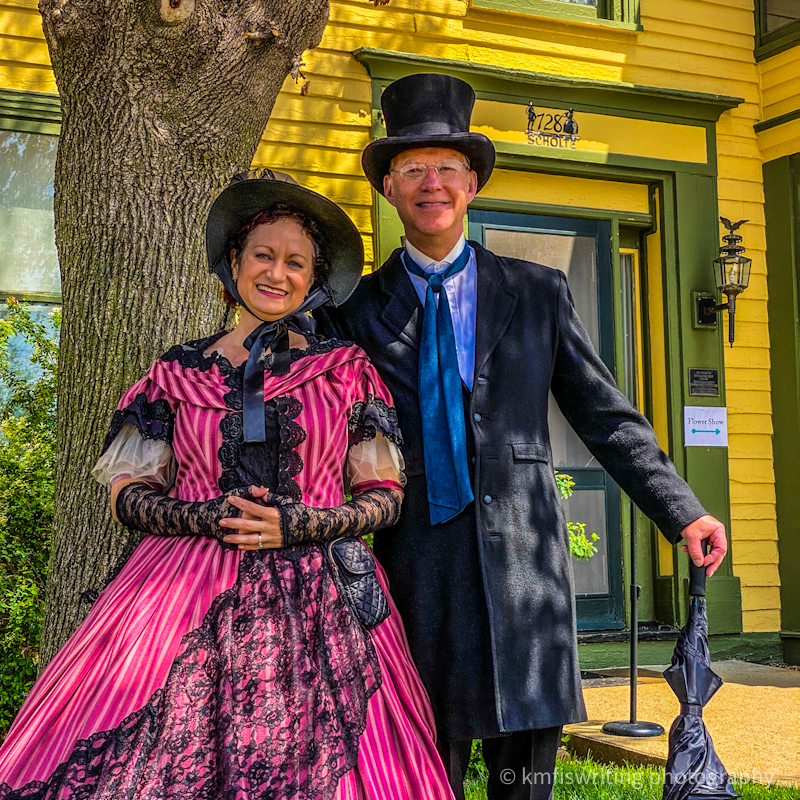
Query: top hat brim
point(476, 147)
point(240, 202)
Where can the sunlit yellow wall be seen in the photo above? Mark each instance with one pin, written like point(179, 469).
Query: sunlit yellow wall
point(24, 61)
point(696, 45)
point(780, 94)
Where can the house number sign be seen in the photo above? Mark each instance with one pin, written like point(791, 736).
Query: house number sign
point(552, 130)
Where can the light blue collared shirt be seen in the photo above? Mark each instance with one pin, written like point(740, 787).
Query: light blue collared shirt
point(462, 295)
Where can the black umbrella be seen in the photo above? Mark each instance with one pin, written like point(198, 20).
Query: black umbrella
point(694, 771)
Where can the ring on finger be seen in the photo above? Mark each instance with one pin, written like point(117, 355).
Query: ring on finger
point(260, 543)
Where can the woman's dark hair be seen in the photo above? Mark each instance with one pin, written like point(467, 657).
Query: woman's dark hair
point(237, 242)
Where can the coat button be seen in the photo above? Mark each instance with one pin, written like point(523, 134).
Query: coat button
point(476, 417)
point(487, 498)
point(481, 379)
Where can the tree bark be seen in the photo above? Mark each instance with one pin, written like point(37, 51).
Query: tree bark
point(162, 101)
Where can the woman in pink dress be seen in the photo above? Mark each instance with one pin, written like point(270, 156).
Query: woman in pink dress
point(248, 648)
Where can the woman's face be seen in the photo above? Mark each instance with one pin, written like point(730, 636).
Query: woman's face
point(275, 270)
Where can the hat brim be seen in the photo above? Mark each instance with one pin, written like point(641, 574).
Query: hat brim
point(476, 147)
point(240, 202)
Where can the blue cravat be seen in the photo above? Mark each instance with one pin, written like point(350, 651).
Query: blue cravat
point(441, 405)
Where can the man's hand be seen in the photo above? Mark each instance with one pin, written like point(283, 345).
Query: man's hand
point(713, 530)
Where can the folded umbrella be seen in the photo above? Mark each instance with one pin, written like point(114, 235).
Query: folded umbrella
point(694, 771)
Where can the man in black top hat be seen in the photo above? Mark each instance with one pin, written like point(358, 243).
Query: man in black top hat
point(470, 345)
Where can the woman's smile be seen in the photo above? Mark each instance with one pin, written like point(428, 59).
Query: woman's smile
point(275, 270)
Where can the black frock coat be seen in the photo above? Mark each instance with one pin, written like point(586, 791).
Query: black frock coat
point(487, 599)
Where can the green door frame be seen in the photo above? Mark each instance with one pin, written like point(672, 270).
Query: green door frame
point(686, 214)
point(782, 195)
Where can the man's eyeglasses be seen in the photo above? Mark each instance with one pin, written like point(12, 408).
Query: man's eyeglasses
point(448, 170)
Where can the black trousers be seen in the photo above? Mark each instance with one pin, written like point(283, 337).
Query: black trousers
point(521, 765)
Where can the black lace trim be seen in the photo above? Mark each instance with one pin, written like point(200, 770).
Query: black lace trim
point(154, 420)
point(289, 462)
point(252, 613)
point(371, 417)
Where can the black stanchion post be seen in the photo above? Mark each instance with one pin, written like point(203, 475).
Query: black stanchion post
point(633, 727)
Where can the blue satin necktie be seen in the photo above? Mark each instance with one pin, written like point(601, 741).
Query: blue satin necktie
point(441, 405)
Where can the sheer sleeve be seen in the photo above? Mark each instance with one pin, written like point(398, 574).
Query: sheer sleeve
point(131, 456)
point(375, 464)
point(139, 440)
point(374, 459)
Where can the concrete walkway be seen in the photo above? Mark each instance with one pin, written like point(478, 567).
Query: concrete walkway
point(754, 720)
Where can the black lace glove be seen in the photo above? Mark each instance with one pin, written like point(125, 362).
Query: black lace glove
point(141, 507)
point(368, 512)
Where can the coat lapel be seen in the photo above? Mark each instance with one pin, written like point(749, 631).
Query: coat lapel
point(496, 305)
point(403, 311)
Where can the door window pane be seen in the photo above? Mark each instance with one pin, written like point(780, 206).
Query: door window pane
point(589, 506)
point(28, 259)
point(576, 256)
point(778, 13)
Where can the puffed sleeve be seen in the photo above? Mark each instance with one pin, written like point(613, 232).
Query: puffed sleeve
point(139, 441)
point(374, 459)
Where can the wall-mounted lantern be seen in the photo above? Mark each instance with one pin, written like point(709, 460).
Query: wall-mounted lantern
point(731, 274)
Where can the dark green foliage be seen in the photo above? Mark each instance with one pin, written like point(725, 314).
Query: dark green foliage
point(27, 448)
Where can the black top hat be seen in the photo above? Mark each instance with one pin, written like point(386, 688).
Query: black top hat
point(427, 110)
point(256, 190)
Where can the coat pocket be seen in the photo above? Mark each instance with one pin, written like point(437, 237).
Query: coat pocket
point(531, 452)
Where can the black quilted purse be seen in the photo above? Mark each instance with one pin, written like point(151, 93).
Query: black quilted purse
point(354, 571)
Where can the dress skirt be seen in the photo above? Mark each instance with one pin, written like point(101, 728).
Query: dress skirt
point(202, 674)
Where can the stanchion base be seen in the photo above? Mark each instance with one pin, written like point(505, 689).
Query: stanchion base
point(640, 729)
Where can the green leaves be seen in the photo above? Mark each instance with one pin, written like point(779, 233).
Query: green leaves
point(27, 464)
point(580, 545)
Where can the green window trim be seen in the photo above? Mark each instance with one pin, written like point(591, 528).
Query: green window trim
point(622, 14)
point(30, 112)
point(770, 43)
point(584, 94)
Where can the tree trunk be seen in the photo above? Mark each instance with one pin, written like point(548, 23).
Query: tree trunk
point(162, 101)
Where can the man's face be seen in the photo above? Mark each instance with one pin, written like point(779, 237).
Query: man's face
point(434, 207)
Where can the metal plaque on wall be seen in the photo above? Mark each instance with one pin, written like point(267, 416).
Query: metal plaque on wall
point(704, 382)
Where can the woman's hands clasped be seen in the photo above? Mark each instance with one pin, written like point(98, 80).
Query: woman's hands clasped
point(259, 527)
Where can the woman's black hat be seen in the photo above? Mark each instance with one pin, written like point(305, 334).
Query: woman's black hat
point(428, 110)
point(255, 190)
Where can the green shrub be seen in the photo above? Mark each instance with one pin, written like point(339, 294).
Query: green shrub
point(27, 465)
point(580, 545)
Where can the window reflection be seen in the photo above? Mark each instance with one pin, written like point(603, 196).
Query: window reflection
point(28, 259)
point(778, 13)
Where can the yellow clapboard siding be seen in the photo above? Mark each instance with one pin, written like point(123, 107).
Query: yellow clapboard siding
point(760, 598)
point(345, 138)
point(751, 446)
point(756, 574)
point(761, 621)
point(747, 379)
point(758, 552)
point(18, 23)
point(753, 512)
point(750, 423)
point(752, 529)
point(289, 156)
point(752, 493)
point(780, 83)
point(24, 51)
point(782, 140)
point(758, 470)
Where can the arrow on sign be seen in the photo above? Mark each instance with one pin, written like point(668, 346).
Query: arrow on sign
point(716, 432)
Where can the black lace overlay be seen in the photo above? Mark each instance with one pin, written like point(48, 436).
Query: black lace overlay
point(370, 511)
point(267, 698)
point(145, 509)
point(370, 417)
point(154, 420)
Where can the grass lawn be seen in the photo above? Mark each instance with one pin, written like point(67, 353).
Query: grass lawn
point(588, 780)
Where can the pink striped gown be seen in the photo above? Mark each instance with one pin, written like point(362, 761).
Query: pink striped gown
point(202, 673)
